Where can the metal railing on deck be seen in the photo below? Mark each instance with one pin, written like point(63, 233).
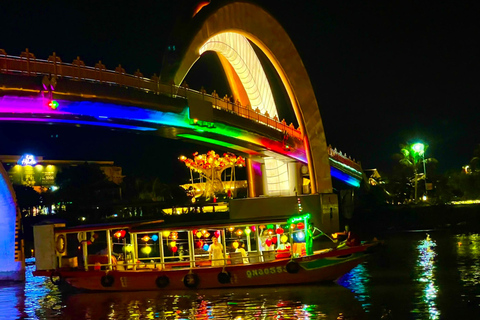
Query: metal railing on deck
point(27, 64)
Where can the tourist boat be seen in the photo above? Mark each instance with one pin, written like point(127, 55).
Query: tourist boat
point(159, 256)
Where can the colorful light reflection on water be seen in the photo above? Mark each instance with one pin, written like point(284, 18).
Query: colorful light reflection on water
point(425, 277)
point(357, 282)
point(468, 265)
point(415, 278)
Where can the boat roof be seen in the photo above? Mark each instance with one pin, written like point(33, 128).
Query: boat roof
point(158, 225)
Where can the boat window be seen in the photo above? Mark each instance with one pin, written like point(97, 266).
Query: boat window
point(274, 237)
point(175, 246)
point(244, 237)
point(122, 249)
point(202, 239)
point(148, 246)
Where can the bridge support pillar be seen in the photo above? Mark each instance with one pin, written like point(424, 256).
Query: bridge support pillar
point(12, 261)
point(254, 178)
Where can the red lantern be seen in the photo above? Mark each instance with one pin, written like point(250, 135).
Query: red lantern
point(274, 240)
point(268, 242)
point(174, 249)
point(301, 225)
point(217, 233)
point(279, 231)
point(119, 234)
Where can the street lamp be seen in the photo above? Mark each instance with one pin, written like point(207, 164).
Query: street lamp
point(418, 150)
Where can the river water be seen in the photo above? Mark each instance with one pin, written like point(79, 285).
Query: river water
point(413, 276)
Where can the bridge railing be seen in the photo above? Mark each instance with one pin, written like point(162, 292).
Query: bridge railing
point(27, 64)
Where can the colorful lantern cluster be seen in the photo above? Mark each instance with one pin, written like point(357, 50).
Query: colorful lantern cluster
point(210, 167)
point(203, 162)
point(202, 233)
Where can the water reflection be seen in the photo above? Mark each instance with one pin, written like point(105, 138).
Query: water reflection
point(306, 302)
point(403, 282)
point(468, 264)
point(357, 281)
point(37, 298)
point(425, 277)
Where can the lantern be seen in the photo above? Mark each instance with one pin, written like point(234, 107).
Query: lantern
point(154, 237)
point(300, 236)
point(217, 233)
point(270, 226)
point(174, 249)
point(301, 225)
point(268, 242)
point(146, 238)
point(262, 227)
point(207, 235)
point(206, 247)
point(293, 226)
point(239, 232)
point(247, 231)
point(231, 229)
point(270, 231)
point(166, 234)
point(253, 228)
point(146, 250)
point(283, 238)
point(119, 234)
point(200, 243)
point(279, 231)
point(204, 231)
point(235, 244)
point(274, 240)
point(173, 244)
point(199, 234)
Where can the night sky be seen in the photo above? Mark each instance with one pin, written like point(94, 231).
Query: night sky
point(384, 73)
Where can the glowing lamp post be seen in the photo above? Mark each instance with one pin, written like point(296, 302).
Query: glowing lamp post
point(418, 150)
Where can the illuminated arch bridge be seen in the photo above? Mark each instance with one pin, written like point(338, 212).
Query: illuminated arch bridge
point(279, 156)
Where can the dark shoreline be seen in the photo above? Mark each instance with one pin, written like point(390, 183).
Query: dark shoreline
point(456, 218)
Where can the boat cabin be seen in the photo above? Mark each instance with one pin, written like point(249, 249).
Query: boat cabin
point(154, 245)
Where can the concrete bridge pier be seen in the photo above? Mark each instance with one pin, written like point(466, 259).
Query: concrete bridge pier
point(12, 259)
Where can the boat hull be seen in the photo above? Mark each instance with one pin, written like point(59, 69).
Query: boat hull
point(321, 267)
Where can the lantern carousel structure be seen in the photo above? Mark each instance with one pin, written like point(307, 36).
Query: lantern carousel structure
point(210, 167)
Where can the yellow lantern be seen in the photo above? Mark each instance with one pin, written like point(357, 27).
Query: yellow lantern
point(283, 238)
point(146, 238)
point(199, 234)
point(207, 235)
point(247, 231)
point(235, 244)
point(166, 234)
point(239, 232)
point(231, 229)
point(146, 250)
point(173, 244)
point(204, 231)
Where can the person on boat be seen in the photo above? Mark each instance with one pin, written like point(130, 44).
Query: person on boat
point(216, 253)
point(352, 239)
point(241, 249)
point(313, 233)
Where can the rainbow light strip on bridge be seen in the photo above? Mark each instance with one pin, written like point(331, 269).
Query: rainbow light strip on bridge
point(107, 113)
point(336, 173)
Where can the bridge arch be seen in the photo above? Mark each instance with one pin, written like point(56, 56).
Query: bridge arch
point(268, 35)
point(11, 249)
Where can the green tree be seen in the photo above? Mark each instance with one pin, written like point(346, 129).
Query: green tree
point(83, 187)
point(414, 159)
